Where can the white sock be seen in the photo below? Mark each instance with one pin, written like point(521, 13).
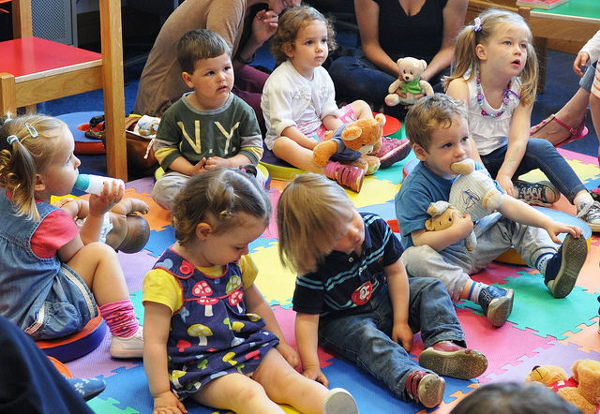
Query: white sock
point(475, 290)
point(542, 262)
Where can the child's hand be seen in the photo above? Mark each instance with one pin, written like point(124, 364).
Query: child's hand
point(289, 353)
point(554, 228)
point(199, 167)
point(315, 373)
point(462, 225)
point(112, 193)
point(403, 335)
point(264, 25)
point(580, 61)
point(215, 162)
point(167, 403)
point(507, 185)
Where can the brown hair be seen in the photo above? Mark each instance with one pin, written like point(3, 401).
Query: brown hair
point(290, 23)
point(27, 146)
point(219, 194)
point(429, 114)
point(465, 58)
point(199, 44)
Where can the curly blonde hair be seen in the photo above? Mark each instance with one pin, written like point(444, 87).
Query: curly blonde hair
point(27, 155)
point(288, 26)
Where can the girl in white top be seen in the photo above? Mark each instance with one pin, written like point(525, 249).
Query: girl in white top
point(495, 74)
point(298, 100)
point(588, 55)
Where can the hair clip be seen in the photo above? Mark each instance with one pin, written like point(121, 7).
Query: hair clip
point(249, 169)
point(7, 120)
point(477, 24)
point(12, 139)
point(31, 129)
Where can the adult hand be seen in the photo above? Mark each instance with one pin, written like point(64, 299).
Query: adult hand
point(581, 60)
point(264, 25)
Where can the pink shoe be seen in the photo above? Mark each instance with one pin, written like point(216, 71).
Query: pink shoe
point(345, 175)
point(392, 150)
point(425, 388)
point(575, 133)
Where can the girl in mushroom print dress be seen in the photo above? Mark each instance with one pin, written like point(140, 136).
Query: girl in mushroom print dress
point(207, 325)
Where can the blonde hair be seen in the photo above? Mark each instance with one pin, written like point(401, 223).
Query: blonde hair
point(218, 195)
point(288, 26)
point(27, 155)
point(465, 58)
point(310, 210)
point(429, 114)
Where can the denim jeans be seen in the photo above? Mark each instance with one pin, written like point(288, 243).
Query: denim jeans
point(455, 263)
point(541, 154)
point(365, 338)
point(588, 78)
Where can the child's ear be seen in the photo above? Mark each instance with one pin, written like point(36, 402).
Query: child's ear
point(203, 230)
point(420, 152)
point(187, 78)
point(288, 49)
point(480, 51)
point(39, 183)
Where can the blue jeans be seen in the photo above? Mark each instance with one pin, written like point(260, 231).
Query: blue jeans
point(540, 154)
point(588, 78)
point(355, 77)
point(364, 338)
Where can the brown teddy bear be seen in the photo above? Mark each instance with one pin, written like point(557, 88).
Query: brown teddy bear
point(409, 84)
point(352, 143)
point(582, 389)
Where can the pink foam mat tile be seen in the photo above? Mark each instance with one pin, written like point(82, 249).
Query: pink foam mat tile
point(497, 273)
point(571, 155)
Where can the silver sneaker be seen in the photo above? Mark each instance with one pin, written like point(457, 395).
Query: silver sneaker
point(590, 213)
point(339, 401)
point(132, 347)
point(542, 193)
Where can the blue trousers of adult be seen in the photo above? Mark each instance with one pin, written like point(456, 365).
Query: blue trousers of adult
point(364, 337)
point(540, 154)
point(29, 382)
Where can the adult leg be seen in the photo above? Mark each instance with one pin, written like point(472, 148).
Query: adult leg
point(248, 85)
point(595, 106)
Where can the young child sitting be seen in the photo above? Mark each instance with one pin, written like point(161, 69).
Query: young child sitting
point(298, 100)
point(121, 228)
point(353, 296)
point(209, 127)
point(210, 335)
point(49, 280)
point(437, 129)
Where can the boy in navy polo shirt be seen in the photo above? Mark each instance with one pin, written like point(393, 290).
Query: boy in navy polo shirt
point(353, 296)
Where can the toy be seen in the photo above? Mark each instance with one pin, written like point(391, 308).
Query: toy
point(409, 83)
point(582, 389)
point(351, 143)
point(473, 192)
point(441, 218)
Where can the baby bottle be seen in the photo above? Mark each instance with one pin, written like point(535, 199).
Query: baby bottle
point(93, 184)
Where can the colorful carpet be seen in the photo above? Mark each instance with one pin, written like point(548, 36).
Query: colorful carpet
point(540, 330)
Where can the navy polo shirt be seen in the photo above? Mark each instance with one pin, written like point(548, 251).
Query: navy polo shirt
point(346, 281)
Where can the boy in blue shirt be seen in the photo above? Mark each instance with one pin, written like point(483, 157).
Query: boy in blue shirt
point(438, 130)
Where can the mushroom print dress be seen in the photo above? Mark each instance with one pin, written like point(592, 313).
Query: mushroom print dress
point(211, 335)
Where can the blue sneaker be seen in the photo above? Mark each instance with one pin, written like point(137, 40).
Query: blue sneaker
point(88, 388)
point(496, 303)
point(563, 268)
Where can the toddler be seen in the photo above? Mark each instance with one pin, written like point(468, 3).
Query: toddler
point(354, 298)
point(210, 335)
point(437, 127)
point(209, 127)
point(49, 280)
point(298, 100)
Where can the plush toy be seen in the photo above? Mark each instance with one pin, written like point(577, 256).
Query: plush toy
point(441, 218)
point(582, 389)
point(473, 192)
point(409, 83)
point(351, 143)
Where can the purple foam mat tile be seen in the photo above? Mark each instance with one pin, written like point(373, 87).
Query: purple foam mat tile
point(99, 362)
point(563, 355)
point(135, 266)
point(142, 185)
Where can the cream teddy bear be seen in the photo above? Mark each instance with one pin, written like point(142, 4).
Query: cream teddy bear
point(409, 85)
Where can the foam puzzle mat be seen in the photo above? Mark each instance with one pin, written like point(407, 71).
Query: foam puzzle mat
point(540, 330)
